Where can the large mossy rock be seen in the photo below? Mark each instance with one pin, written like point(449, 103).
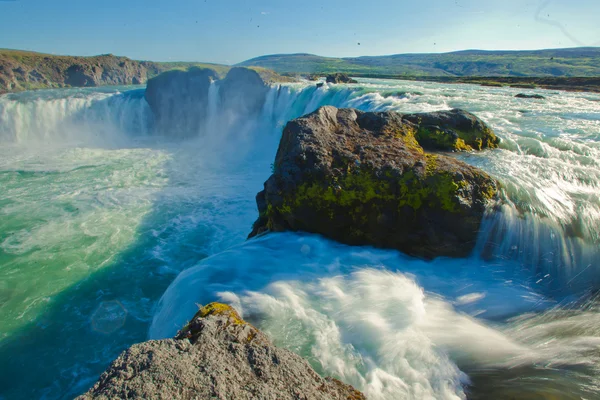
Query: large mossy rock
point(364, 178)
point(217, 355)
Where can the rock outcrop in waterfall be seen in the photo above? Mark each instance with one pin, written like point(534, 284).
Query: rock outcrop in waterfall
point(182, 100)
point(365, 178)
point(217, 355)
point(339, 78)
point(179, 99)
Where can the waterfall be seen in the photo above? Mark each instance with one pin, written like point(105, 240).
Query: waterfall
point(539, 239)
point(558, 261)
point(212, 120)
point(104, 208)
point(72, 116)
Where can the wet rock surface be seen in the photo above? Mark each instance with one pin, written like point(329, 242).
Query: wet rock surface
point(243, 92)
point(363, 178)
point(530, 96)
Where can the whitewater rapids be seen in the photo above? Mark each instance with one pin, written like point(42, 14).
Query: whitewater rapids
point(101, 217)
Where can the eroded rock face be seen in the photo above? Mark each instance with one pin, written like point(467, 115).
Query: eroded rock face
point(364, 178)
point(35, 71)
point(217, 355)
point(80, 76)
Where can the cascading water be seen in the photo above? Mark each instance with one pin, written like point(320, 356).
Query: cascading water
point(53, 117)
point(100, 211)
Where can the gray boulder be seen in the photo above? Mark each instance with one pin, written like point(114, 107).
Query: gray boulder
point(363, 178)
point(216, 356)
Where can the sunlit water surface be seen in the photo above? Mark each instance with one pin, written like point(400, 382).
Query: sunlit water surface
point(99, 215)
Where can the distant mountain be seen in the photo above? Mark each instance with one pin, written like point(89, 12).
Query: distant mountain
point(581, 61)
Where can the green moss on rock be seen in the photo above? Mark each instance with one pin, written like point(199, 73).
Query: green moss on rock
point(362, 191)
point(454, 130)
point(364, 178)
point(437, 138)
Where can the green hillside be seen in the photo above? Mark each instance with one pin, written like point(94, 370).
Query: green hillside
point(27, 70)
point(582, 62)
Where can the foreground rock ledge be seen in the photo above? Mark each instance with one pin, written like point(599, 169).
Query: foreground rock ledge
point(365, 178)
point(217, 355)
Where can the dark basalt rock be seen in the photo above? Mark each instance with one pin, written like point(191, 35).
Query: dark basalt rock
point(217, 355)
point(364, 178)
point(340, 78)
point(530, 96)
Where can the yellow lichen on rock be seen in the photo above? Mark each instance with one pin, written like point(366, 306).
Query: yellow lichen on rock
point(221, 309)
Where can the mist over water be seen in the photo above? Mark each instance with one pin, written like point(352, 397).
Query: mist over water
point(100, 212)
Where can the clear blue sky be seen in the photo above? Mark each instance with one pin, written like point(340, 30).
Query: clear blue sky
point(230, 31)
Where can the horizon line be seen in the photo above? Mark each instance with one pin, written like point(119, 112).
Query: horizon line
point(302, 54)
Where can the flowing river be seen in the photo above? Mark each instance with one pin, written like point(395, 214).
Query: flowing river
point(111, 234)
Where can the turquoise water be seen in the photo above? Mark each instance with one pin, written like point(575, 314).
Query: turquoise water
point(99, 215)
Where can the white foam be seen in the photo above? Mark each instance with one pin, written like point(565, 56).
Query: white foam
point(378, 329)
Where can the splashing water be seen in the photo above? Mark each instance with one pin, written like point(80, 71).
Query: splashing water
point(394, 326)
point(99, 214)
